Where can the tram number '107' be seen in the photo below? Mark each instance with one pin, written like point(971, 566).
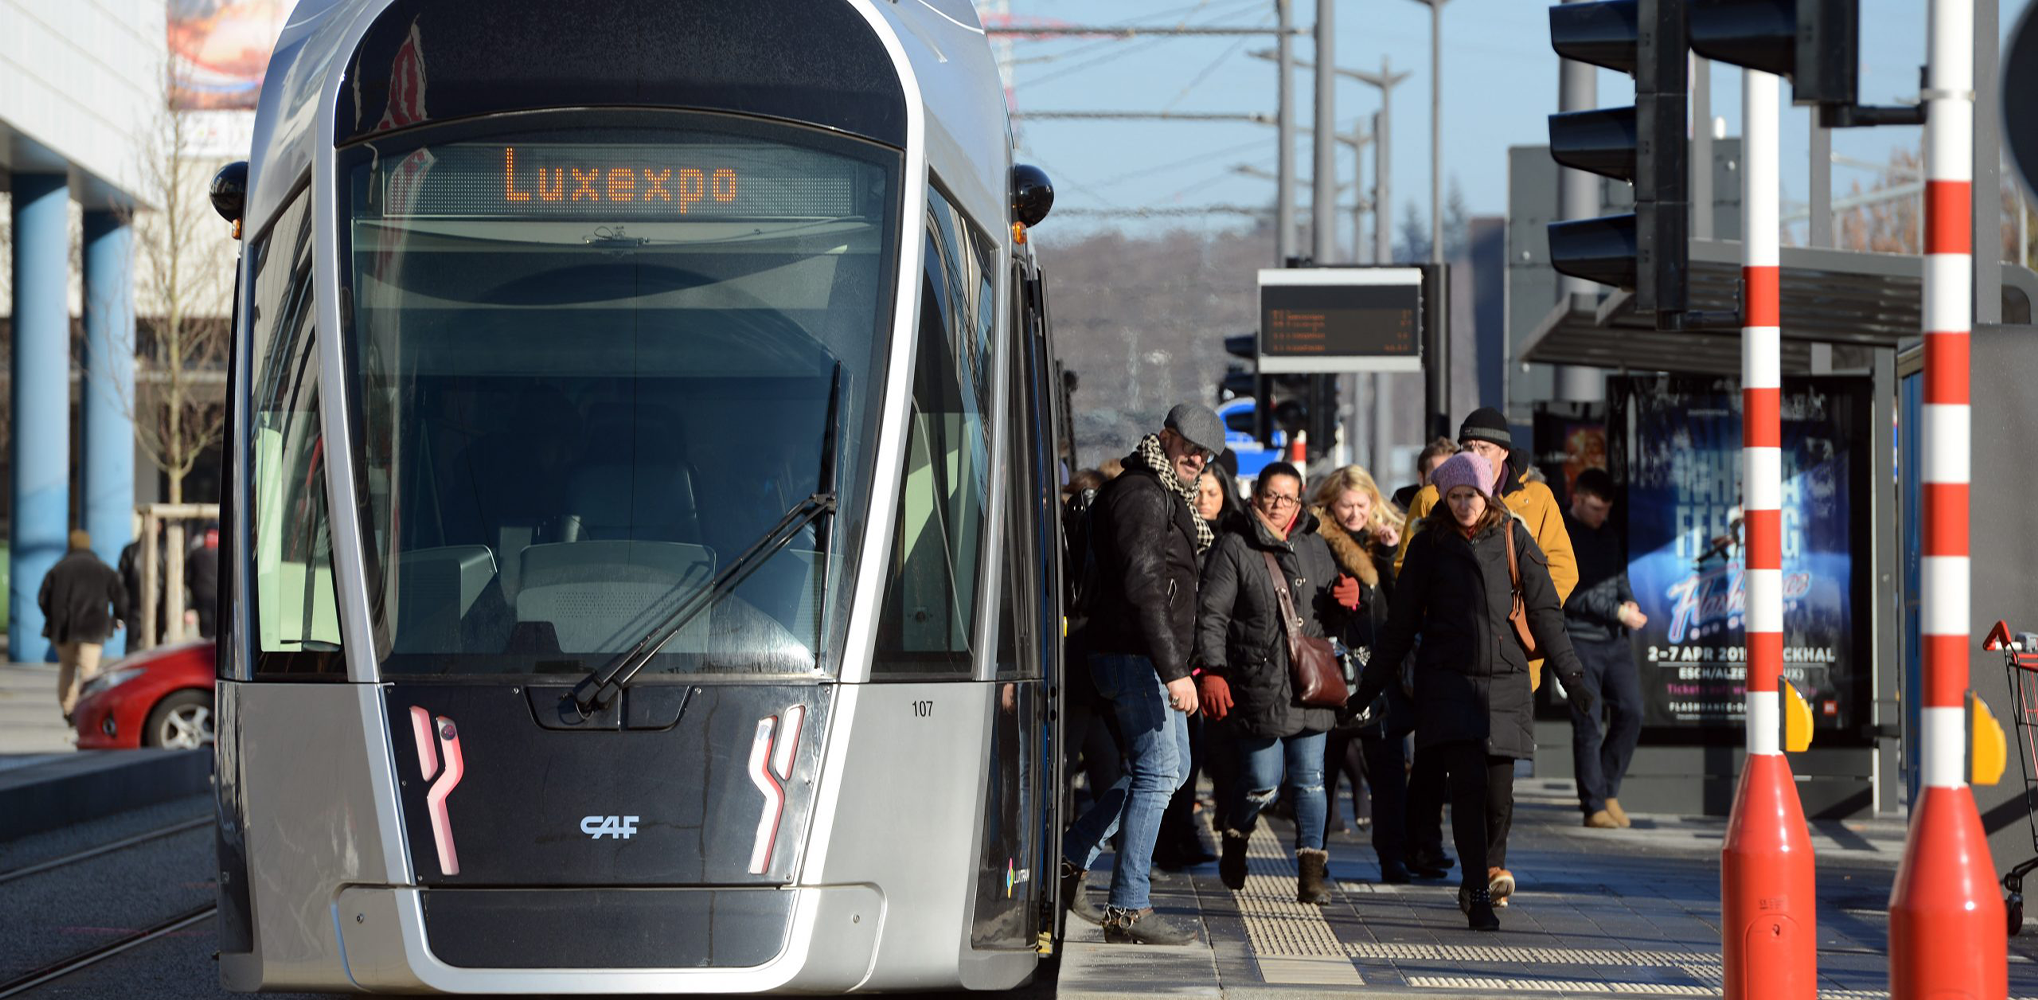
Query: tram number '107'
point(617, 185)
point(923, 709)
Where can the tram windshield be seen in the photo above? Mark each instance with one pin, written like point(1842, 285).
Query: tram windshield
point(592, 362)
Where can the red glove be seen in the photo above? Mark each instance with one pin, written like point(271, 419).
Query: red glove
point(1215, 695)
point(1346, 592)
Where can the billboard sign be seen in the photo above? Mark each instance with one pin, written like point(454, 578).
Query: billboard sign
point(1333, 320)
point(1676, 443)
point(219, 51)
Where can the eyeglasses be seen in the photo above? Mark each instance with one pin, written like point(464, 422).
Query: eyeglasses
point(1277, 500)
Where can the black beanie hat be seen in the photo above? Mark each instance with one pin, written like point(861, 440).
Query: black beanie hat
point(1486, 424)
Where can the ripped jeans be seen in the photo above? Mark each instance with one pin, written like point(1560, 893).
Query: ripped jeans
point(1263, 765)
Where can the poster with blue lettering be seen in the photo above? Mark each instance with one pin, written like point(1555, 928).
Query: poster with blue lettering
point(1676, 445)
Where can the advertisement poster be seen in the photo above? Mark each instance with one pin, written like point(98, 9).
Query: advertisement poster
point(1678, 441)
point(1569, 438)
point(219, 51)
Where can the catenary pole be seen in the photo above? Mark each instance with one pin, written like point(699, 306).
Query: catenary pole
point(1284, 186)
point(1946, 921)
point(1768, 885)
point(1323, 193)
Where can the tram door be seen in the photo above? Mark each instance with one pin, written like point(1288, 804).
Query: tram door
point(1015, 861)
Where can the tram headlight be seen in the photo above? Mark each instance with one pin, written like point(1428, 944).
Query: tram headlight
point(109, 681)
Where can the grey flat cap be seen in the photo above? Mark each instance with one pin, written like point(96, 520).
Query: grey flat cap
point(1199, 424)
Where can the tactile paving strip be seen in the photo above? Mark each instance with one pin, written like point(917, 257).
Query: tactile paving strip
point(1276, 925)
point(1527, 956)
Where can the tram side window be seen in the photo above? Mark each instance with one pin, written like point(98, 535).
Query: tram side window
point(930, 612)
point(291, 587)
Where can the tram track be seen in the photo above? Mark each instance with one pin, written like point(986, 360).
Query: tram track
point(63, 967)
point(101, 850)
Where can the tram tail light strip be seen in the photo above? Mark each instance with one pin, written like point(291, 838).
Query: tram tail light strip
point(436, 739)
point(772, 755)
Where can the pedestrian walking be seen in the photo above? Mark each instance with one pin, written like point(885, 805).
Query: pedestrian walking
point(1145, 538)
point(201, 575)
point(1466, 565)
point(1484, 433)
point(1599, 615)
point(1361, 529)
point(1181, 843)
point(82, 602)
point(1247, 681)
point(1426, 461)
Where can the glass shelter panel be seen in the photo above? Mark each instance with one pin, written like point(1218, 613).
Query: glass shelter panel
point(595, 360)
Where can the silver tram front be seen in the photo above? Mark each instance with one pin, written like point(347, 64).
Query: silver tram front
point(642, 481)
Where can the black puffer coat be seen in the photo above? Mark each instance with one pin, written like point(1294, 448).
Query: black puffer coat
point(1145, 543)
point(1471, 676)
point(1238, 623)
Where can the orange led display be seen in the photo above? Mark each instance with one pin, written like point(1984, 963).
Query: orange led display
point(682, 187)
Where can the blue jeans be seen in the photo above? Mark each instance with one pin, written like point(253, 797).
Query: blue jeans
point(1264, 763)
point(1601, 760)
point(1156, 762)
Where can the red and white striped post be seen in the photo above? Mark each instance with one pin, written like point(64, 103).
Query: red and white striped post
point(1768, 883)
point(1946, 922)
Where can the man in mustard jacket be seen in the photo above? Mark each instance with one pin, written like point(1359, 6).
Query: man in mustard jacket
point(1485, 434)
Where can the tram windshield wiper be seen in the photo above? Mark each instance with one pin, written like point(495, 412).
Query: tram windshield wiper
point(600, 687)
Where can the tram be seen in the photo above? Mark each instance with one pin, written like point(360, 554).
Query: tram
point(641, 552)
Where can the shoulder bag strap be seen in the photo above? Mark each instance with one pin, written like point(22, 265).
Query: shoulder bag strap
point(1513, 566)
point(1290, 625)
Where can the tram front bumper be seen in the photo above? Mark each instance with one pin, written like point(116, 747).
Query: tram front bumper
point(609, 940)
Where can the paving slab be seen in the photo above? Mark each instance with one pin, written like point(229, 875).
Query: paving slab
point(1597, 913)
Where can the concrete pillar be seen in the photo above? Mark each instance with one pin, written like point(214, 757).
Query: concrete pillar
point(41, 439)
point(106, 394)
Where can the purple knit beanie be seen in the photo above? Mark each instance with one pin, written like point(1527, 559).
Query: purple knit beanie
point(1462, 469)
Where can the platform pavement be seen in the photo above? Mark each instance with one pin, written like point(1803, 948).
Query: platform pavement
point(30, 721)
point(1598, 913)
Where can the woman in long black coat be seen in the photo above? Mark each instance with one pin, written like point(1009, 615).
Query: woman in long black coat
point(1473, 703)
point(1246, 687)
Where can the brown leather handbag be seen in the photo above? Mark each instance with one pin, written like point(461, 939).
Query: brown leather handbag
point(1319, 679)
point(1517, 613)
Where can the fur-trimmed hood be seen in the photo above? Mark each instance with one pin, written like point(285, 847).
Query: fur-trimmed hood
point(1353, 555)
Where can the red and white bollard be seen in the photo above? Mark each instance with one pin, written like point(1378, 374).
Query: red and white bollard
point(1947, 937)
point(1768, 883)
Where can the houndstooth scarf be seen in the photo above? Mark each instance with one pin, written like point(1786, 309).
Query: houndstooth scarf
point(1156, 459)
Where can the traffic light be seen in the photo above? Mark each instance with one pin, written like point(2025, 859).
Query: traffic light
point(1645, 144)
point(1815, 43)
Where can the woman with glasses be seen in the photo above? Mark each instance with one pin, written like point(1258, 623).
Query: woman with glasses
point(1246, 686)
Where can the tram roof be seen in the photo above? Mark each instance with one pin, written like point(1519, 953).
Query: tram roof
point(966, 137)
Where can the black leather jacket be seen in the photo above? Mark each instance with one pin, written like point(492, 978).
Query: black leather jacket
point(1145, 541)
point(1238, 627)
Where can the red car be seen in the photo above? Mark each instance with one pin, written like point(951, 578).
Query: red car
point(160, 697)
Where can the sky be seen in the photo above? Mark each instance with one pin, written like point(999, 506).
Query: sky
point(1500, 84)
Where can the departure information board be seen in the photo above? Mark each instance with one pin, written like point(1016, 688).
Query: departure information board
point(1330, 320)
point(601, 181)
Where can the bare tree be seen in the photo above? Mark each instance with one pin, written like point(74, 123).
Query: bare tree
point(183, 271)
point(1892, 225)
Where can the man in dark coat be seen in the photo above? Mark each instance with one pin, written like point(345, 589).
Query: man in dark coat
point(82, 602)
point(1599, 615)
point(201, 574)
point(1140, 625)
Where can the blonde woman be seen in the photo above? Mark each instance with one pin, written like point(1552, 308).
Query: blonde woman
point(1362, 529)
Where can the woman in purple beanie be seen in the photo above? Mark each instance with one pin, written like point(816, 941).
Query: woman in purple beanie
point(1472, 697)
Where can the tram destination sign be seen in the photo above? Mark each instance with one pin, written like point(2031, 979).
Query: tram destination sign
point(680, 182)
point(1332, 320)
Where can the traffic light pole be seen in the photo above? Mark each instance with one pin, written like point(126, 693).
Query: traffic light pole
point(1768, 882)
point(1947, 936)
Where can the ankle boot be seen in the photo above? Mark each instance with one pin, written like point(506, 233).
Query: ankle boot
point(1231, 866)
point(1313, 886)
point(1478, 907)
point(1073, 899)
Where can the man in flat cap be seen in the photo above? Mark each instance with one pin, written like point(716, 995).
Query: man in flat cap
point(1145, 536)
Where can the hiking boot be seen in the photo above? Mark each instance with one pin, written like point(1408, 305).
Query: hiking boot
point(1393, 872)
point(1313, 885)
point(1123, 926)
point(1619, 815)
point(1477, 905)
point(1231, 866)
point(1073, 898)
point(1602, 820)
point(1500, 884)
point(1430, 864)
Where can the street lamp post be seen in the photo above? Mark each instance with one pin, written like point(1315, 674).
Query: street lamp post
point(1436, 129)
